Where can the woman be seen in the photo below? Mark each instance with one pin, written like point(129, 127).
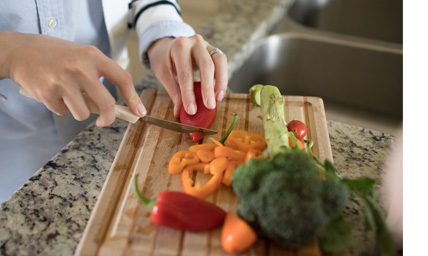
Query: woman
point(59, 50)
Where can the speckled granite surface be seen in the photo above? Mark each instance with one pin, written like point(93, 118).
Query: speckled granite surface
point(47, 216)
point(359, 152)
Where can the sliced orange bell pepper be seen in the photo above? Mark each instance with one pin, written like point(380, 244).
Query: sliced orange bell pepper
point(204, 151)
point(180, 160)
point(205, 156)
point(205, 147)
point(228, 174)
point(216, 142)
point(244, 140)
point(200, 191)
point(253, 153)
point(236, 235)
point(229, 153)
point(218, 165)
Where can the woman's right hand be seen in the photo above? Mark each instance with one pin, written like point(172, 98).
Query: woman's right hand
point(57, 72)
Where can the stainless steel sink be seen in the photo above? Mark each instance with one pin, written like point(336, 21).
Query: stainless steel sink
point(352, 75)
point(375, 19)
point(357, 73)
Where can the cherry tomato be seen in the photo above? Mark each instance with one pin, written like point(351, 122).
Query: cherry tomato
point(204, 117)
point(298, 128)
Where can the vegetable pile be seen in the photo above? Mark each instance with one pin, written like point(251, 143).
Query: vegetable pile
point(292, 197)
point(219, 159)
point(287, 194)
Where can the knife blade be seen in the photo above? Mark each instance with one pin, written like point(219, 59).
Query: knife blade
point(125, 113)
point(175, 126)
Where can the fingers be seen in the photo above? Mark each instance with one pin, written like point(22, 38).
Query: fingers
point(173, 90)
point(214, 77)
point(180, 56)
point(60, 97)
point(171, 86)
point(206, 69)
point(221, 75)
point(213, 71)
point(103, 100)
point(57, 106)
point(123, 80)
point(60, 85)
point(164, 69)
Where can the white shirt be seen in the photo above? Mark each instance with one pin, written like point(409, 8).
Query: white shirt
point(30, 135)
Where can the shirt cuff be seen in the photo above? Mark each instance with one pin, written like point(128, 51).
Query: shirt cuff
point(158, 30)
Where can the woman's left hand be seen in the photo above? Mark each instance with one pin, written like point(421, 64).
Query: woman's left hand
point(178, 58)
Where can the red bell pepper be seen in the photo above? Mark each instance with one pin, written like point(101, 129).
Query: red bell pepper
point(204, 117)
point(181, 211)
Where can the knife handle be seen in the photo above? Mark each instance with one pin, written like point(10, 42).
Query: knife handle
point(121, 112)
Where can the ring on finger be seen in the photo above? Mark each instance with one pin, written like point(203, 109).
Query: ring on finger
point(214, 51)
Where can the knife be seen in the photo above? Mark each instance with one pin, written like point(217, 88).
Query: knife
point(125, 113)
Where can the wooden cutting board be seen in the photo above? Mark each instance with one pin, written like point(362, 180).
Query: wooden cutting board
point(120, 224)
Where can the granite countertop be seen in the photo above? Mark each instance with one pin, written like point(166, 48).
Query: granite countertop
point(48, 214)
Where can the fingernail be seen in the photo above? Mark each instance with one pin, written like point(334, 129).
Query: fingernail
point(211, 103)
point(191, 109)
point(141, 110)
point(220, 95)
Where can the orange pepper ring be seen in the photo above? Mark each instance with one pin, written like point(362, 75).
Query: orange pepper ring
point(218, 165)
point(204, 191)
point(180, 160)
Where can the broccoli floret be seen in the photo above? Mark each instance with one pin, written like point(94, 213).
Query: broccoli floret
point(285, 199)
point(251, 176)
point(249, 182)
point(334, 204)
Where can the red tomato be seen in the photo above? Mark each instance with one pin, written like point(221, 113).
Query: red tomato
point(204, 117)
point(298, 128)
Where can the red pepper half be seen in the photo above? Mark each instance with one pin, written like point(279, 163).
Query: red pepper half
point(181, 211)
point(204, 117)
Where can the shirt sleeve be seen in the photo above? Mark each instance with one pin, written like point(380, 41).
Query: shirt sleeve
point(154, 19)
